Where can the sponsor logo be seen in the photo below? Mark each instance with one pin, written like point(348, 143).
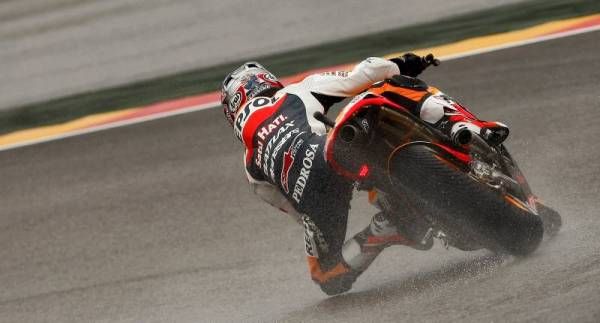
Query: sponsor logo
point(240, 121)
point(307, 163)
point(283, 140)
point(264, 132)
point(267, 150)
point(235, 101)
point(259, 152)
point(243, 115)
point(365, 125)
point(288, 161)
point(336, 73)
point(314, 241)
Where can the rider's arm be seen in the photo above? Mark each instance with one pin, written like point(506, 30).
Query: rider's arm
point(271, 194)
point(344, 84)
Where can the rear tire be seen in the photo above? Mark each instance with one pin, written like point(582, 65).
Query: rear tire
point(466, 209)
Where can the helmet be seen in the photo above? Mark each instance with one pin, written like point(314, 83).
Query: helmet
point(245, 83)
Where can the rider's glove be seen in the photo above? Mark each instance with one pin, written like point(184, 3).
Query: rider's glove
point(412, 65)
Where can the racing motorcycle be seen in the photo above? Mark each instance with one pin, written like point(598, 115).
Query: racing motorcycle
point(465, 186)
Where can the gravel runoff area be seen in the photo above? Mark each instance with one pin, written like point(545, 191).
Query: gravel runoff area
point(53, 48)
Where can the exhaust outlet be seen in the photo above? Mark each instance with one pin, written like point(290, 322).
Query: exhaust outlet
point(462, 137)
point(348, 133)
point(461, 134)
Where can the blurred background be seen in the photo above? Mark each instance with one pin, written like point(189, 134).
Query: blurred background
point(54, 48)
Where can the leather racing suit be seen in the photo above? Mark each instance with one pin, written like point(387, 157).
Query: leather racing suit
point(286, 167)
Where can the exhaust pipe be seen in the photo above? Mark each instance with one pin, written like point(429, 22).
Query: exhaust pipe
point(461, 133)
point(348, 133)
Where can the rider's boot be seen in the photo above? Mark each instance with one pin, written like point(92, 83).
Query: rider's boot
point(458, 123)
point(358, 253)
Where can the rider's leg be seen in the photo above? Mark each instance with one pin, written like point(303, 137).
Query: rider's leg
point(335, 267)
point(360, 251)
point(325, 201)
point(438, 109)
point(333, 263)
point(453, 119)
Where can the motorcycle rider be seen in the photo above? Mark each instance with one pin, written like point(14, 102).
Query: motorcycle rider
point(285, 163)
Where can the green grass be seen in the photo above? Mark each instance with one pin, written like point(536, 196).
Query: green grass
point(501, 19)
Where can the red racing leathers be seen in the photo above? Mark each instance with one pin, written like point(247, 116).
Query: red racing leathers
point(286, 166)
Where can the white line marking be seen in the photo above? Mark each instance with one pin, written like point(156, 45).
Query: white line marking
point(117, 124)
point(521, 43)
point(217, 104)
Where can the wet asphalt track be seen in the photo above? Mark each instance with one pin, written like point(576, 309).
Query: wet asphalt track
point(154, 222)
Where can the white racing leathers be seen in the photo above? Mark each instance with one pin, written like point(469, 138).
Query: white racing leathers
point(285, 162)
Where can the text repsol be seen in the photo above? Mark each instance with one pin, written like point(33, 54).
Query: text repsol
point(243, 115)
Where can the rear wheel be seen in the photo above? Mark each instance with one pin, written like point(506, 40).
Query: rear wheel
point(466, 209)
